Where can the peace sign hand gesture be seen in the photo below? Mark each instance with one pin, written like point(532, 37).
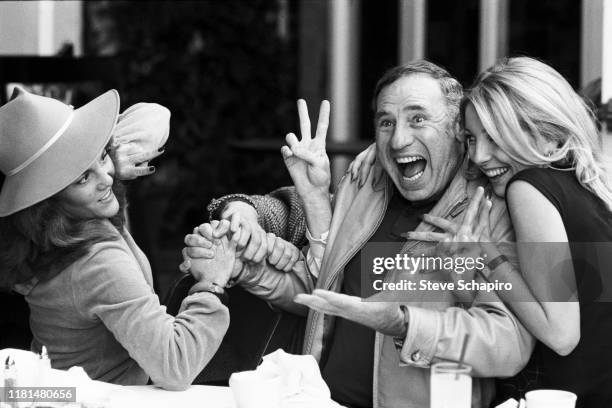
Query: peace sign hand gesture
point(306, 159)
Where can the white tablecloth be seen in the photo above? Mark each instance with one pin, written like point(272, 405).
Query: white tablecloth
point(201, 396)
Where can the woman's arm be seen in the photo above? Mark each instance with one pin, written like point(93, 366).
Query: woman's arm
point(543, 297)
point(110, 287)
point(536, 220)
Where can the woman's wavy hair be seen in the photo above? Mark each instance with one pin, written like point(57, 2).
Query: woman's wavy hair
point(526, 107)
point(42, 240)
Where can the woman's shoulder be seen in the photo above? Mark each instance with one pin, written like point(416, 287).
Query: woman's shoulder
point(106, 253)
point(545, 174)
point(555, 184)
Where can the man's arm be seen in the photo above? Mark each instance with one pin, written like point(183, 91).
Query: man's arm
point(278, 287)
point(280, 212)
point(498, 345)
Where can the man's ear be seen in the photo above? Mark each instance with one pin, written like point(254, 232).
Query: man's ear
point(458, 131)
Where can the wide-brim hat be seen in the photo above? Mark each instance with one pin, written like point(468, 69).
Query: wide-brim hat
point(45, 145)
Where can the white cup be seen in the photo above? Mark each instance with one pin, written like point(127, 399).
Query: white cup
point(550, 399)
point(256, 389)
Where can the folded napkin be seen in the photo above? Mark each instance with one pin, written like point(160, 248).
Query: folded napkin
point(301, 385)
point(144, 125)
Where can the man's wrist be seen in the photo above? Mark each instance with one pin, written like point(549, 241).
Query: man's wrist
point(317, 200)
point(318, 215)
point(217, 206)
point(402, 331)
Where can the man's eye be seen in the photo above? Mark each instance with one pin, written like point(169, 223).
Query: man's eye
point(470, 139)
point(385, 123)
point(418, 119)
point(104, 155)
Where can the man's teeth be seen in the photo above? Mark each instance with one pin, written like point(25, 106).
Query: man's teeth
point(408, 159)
point(495, 172)
point(108, 193)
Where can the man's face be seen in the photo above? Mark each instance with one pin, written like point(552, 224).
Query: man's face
point(415, 139)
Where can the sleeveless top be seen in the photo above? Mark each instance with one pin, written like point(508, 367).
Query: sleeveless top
point(587, 370)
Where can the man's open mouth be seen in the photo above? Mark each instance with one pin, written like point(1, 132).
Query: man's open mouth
point(411, 167)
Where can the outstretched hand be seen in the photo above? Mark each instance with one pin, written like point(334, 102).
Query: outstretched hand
point(306, 159)
point(384, 317)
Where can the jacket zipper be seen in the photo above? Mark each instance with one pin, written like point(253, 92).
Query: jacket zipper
point(360, 244)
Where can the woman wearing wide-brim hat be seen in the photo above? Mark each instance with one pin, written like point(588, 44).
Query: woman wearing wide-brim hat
point(64, 246)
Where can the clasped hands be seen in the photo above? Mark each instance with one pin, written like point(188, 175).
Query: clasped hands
point(217, 251)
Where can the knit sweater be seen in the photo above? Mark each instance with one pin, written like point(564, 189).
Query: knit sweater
point(280, 212)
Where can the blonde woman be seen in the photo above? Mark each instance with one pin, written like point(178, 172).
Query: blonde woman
point(537, 142)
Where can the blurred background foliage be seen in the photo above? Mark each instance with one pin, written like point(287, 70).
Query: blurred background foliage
point(227, 71)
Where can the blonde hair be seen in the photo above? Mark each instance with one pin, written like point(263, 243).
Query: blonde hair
point(526, 107)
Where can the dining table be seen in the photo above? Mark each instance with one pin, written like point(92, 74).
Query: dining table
point(154, 397)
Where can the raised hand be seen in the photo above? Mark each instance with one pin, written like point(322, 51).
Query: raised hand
point(306, 159)
point(468, 239)
point(474, 227)
point(131, 162)
point(138, 137)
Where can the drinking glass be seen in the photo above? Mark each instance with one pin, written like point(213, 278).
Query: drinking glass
point(451, 386)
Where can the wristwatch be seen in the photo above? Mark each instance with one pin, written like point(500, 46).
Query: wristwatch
point(210, 287)
point(399, 341)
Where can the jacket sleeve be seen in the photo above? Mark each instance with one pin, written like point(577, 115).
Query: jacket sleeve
point(498, 346)
point(280, 212)
point(278, 287)
point(111, 287)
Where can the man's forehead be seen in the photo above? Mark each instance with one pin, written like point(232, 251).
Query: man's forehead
point(416, 91)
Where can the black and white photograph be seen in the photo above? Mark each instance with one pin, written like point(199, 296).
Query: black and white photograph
point(306, 203)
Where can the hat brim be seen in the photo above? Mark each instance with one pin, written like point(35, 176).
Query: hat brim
point(65, 161)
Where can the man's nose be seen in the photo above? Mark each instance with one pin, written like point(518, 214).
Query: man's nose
point(402, 137)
